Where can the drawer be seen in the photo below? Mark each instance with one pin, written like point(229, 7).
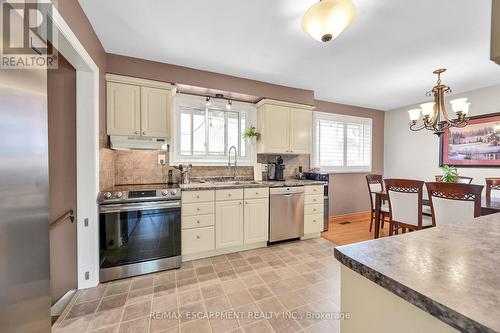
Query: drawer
point(233, 194)
point(313, 209)
point(202, 208)
point(197, 196)
point(314, 189)
point(197, 221)
point(313, 223)
point(256, 193)
point(313, 199)
point(198, 240)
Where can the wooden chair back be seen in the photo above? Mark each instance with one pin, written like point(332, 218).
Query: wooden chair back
point(405, 201)
point(460, 179)
point(453, 202)
point(492, 184)
point(375, 184)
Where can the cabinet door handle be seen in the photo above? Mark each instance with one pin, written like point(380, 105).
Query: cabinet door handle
point(143, 132)
point(198, 237)
point(197, 197)
point(241, 203)
point(198, 221)
point(136, 132)
point(198, 209)
point(229, 194)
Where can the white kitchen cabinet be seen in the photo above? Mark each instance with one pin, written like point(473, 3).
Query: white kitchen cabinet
point(313, 211)
point(197, 240)
point(300, 131)
point(256, 217)
point(155, 112)
point(285, 128)
point(137, 107)
point(123, 109)
point(228, 224)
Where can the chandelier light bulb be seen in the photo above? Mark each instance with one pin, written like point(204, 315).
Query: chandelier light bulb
point(427, 109)
point(459, 105)
point(327, 19)
point(414, 114)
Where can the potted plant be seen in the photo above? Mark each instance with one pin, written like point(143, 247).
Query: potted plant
point(251, 133)
point(450, 174)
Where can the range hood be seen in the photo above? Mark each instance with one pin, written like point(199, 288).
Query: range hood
point(122, 142)
point(495, 31)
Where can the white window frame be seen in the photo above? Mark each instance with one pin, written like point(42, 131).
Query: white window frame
point(193, 101)
point(344, 119)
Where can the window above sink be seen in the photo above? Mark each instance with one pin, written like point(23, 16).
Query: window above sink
point(203, 133)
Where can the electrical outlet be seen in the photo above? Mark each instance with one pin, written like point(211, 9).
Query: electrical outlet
point(264, 168)
point(86, 222)
point(87, 275)
point(161, 159)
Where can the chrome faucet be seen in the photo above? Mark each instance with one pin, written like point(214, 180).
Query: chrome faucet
point(235, 159)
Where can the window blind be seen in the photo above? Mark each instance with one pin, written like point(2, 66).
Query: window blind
point(342, 143)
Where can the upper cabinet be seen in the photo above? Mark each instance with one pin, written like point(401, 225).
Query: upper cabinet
point(138, 107)
point(285, 128)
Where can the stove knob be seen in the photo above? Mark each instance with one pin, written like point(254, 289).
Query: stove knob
point(119, 195)
point(173, 192)
point(164, 192)
point(107, 195)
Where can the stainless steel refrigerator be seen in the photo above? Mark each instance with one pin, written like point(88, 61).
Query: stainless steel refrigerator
point(24, 222)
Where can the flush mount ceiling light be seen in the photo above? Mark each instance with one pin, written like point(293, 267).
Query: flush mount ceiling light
point(327, 19)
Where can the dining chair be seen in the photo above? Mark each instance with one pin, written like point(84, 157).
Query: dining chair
point(492, 184)
point(376, 184)
point(460, 179)
point(405, 205)
point(453, 202)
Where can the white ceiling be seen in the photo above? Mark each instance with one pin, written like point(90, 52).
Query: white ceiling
point(384, 60)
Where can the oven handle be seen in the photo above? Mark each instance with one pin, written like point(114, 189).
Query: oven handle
point(115, 208)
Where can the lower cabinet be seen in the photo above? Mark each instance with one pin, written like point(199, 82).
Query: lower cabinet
point(197, 240)
point(228, 224)
point(256, 217)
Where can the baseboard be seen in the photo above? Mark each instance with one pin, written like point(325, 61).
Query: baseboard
point(58, 308)
point(217, 252)
point(352, 216)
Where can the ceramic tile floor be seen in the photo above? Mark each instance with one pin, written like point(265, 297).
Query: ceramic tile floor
point(291, 279)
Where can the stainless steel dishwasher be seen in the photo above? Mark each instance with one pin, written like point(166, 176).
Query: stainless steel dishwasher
point(286, 213)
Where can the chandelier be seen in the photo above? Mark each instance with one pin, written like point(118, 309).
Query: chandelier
point(434, 115)
point(327, 19)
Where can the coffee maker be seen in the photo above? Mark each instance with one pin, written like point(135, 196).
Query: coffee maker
point(280, 169)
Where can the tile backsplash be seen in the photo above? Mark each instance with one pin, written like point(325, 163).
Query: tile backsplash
point(141, 167)
point(292, 162)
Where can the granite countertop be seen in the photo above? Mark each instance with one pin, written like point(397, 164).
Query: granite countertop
point(246, 184)
point(452, 272)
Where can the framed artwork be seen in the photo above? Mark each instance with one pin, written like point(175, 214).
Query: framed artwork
point(475, 145)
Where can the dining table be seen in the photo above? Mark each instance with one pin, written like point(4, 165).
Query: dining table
point(489, 205)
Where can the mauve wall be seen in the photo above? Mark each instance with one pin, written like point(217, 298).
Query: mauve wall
point(348, 191)
point(117, 64)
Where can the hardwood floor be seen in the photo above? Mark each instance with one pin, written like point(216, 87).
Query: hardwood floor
point(342, 233)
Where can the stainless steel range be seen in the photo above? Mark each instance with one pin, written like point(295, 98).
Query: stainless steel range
point(139, 230)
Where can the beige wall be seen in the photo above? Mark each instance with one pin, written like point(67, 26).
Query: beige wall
point(495, 31)
point(416, 154)
point(348, 191)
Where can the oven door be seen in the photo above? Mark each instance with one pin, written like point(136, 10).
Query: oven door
point(134, 233)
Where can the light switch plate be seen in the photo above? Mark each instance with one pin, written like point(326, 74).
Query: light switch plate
point(161, 159)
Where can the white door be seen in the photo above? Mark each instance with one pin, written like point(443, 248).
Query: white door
point(123, 109)
point(256, 219)
point(228, 224)
point(300, 131)
point(155, 110)
point(277, 129)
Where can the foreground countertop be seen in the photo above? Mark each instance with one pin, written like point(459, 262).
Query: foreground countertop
point(451, 272)
point(247, 184)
